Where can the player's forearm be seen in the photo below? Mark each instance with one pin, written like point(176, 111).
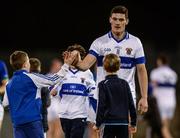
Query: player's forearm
point(86, 63)
point(83, 65)
point(3, 86)
point(143, 81)
point(2, 90)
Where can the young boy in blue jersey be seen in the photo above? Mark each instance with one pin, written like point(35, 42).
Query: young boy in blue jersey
point(74, 91)
point(23, 94)
point(115, 102)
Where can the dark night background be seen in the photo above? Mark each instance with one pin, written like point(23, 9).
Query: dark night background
point(44, 28)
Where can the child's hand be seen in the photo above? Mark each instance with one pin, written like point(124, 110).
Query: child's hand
point(132, 129)
point(53, 92)
point(96, 128)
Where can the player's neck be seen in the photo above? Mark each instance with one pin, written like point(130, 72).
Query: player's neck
point(119, 36)
point(111, 73)
point(25, 69)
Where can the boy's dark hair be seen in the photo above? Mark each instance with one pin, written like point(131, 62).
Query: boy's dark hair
point(120, 9)
point(78, 48)
point(164, 58)
point(35, 65)
point(17, 59)
point(111, 63)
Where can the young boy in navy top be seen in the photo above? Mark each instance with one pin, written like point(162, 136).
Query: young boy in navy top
point(115, 102)
point(23, 94)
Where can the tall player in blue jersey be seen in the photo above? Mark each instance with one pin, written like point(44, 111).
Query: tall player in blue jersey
point(127, 47)
point(3, 81)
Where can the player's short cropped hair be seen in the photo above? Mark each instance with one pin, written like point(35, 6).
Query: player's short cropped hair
point(163, 58)
point(17, 59)
point(78, 48)
point(35, 65)
point(120, 9)
point(111, 63)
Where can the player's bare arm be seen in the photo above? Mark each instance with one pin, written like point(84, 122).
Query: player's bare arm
point(87, 62)
point(143, 82)
point(3, 86)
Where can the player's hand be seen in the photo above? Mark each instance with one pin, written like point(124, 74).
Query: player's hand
point(96, 128)
point(142, 105)
point(69, 57)
point(132, 129)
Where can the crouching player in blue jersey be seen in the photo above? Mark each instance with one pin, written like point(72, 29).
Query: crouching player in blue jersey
point(23, 94)
point(74, 91)
point(115, 101)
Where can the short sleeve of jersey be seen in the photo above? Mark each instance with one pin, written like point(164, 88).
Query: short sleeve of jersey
point(139, 55)
point(90, 80)
point(3, 71)
point(153, 75)
point(94, 49)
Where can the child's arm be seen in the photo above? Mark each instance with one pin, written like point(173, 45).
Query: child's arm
point(101, 105)
point(45, 81)
point(132, 108)
point(5, 100)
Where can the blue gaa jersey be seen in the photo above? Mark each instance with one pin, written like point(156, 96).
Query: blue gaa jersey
point(130, 51)
point(3, 73)
point(74, 92)
point(23, 94)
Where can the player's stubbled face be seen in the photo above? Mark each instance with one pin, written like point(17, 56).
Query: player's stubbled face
point(118, 23)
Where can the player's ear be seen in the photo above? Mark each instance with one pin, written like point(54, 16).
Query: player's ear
point(110, 20)
point(127, 21)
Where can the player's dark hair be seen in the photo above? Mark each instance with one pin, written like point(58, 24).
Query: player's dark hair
point(120, 9)
point(164, 58)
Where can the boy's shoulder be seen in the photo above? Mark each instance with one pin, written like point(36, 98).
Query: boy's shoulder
point(108, 81)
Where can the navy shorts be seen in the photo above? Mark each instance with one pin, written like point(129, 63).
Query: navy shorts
point(29, 130)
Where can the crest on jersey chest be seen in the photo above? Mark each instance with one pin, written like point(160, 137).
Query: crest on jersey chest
point(129, 51)
point(82, 80)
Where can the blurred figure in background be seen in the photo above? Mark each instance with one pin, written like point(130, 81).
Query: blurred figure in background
point(55, 129)
point(35, 67)
point(163, 80)
point(3, 81)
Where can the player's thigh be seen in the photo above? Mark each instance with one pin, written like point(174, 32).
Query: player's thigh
point(91, 132)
